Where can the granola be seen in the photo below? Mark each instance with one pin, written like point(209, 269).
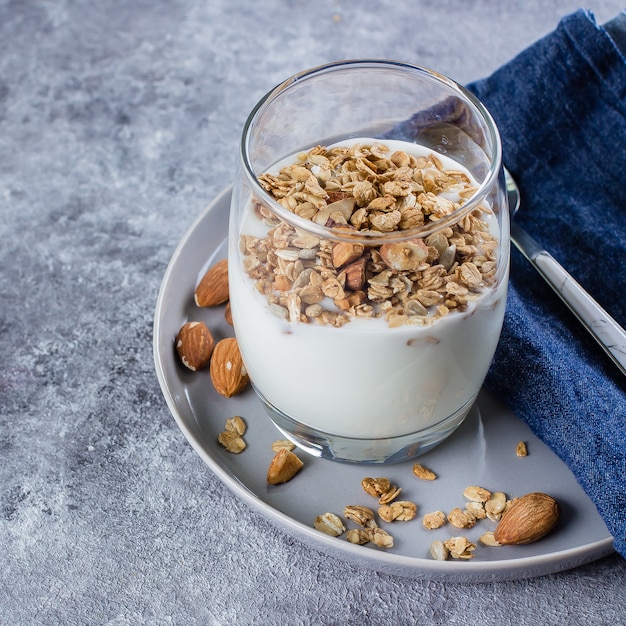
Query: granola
point(361, 515)
point(460, 548)
point(423, 472)
point(365, 191)
point(401, 510)
point(434, 520)
point(231, 437)
point(375, 486)
point(329, 524)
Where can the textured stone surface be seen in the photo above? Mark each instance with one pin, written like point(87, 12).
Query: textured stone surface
point(119, 122)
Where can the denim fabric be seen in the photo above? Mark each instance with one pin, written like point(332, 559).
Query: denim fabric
point(560, 107)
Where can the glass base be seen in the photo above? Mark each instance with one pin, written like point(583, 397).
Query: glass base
point(364, 451)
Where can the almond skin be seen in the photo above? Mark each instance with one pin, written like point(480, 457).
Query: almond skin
point(284, 466)
point(355, 274)
point(194, 344)
point(227, 370)
point(530, 518)
point(213, 288)
point(228, 314)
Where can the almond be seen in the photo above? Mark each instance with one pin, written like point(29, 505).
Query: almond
point(194, 344)
point(213, 288)
point(284, 466)
point(530, 518)
point(228, 314)
point(355, 274)
point(228, 373)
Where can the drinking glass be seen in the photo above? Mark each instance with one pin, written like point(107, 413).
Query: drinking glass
point(367, 325)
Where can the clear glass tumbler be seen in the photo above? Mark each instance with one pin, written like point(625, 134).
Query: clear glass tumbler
point(368, 257)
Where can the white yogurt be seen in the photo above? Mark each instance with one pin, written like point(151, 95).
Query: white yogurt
point(364, 379)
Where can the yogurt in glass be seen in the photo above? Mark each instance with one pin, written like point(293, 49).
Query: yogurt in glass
point(369, 374)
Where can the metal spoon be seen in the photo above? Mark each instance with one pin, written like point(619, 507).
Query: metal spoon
point(604, 329)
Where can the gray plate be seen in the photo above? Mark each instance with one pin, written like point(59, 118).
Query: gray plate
point(481, 452)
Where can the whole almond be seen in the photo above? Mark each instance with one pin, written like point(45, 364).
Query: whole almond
point(213, 288)
point(228, 373)
point(530, 518)
point(284, 466)
point(194, 344)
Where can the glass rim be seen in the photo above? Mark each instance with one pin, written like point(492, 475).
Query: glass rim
point(373, 238)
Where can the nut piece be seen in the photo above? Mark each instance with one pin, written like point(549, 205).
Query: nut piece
point(405, 255)
point(330, 524)
point(213, 288)
point(522, 449)
point(284, 466)
point(232, 441)
point(194, 344)
point(360, 514)
point(438, 551)
point(423, 472)
point(434, 520)
point(530, 518)
point(355, 275)
point(228, 314)
point(227, 370)
point(376, 486)
point(344, 252)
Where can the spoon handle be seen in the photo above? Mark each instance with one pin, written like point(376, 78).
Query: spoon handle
point(604, 329)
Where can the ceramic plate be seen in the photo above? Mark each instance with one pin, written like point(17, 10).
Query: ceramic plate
point(481, 452)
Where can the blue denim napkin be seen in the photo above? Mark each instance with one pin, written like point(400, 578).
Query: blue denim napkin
point(560, 107)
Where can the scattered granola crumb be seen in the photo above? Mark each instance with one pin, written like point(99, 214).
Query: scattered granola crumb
point(434, 520)
point(423, 472)
point(476, 494)
point(329, 524)
point(375, 486)
point(279, 444)
point(233, 442)
point(488, 539)
point(401, 510)
point(460, 547)
point(358, 536)
point(439, 551)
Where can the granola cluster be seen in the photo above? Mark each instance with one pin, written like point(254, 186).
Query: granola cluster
point(364, 190)
point(390, 510)
point(480, 504)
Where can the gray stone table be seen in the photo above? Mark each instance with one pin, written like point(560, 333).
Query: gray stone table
point(119, 122)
